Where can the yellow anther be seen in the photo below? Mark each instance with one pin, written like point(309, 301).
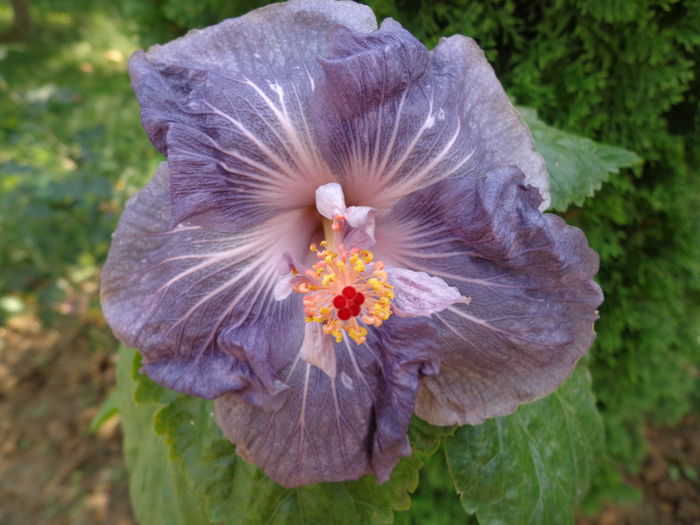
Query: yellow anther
point(357, 263)
point(337, 268)
point(374, 283)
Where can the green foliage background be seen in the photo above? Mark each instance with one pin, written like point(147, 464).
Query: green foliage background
point(621, 72)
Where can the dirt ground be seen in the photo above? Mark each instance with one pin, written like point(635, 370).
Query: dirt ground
point(55, 471)
point(669, 480)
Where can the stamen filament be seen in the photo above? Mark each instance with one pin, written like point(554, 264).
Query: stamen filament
point(346, 289)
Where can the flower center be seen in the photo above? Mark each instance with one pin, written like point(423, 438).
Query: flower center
point(344, 289)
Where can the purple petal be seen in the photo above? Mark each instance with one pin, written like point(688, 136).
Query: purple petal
point(229, 107)
point(335, 429)
point(529, 277)
point(420, 294)
point(197, 303)
point(392, 118)
point(318, 350)
point(357, 230)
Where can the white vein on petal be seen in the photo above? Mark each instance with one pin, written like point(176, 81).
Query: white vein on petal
point(338, 423)
point(304, 156)
point(376, 174)
point(302, 412)
point(487, 325)
point(257, 255)
point(393, 179)
point(359, 373)
point(255, 140)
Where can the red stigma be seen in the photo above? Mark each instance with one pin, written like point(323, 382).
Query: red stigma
point(339, 301)
point(348, 303)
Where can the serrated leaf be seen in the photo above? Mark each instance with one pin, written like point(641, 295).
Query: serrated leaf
point(577, 166)
point(194, 453)
point(159, 493)
point(533, 466)
point(426, 438)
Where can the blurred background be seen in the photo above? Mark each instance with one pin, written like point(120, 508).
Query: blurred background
point(72, 151)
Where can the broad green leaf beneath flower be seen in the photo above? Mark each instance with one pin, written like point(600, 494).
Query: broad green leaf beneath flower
point(577, 166)
point(179, 462)
point(159, 493)
point(532, 466)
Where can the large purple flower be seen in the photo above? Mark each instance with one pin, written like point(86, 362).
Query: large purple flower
point(348, 228)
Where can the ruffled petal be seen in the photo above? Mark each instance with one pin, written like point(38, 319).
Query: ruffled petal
point(529, 277)
point(392, 118)
point(339, 428)
point(420, 294)
point(330, 200)
point(199, 304)
point(357, 228)
point(229, 106)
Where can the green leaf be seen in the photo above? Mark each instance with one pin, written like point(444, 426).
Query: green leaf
point(187, 448)
point(533, 466)
point(577, 166)
point(108, 409)
point(159, 493)
point(426, 438)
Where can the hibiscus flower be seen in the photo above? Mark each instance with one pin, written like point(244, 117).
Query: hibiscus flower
point(348, 228)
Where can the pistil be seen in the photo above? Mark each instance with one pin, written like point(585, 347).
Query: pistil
point(346, 290)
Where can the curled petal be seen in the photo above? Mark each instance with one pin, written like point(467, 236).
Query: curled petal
point(529, 277)
point(420, 294)
point(338, 428)
point(392, 118)
point(357, 230)
point(196, 301)
point(229, 106)
point(330, 200)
